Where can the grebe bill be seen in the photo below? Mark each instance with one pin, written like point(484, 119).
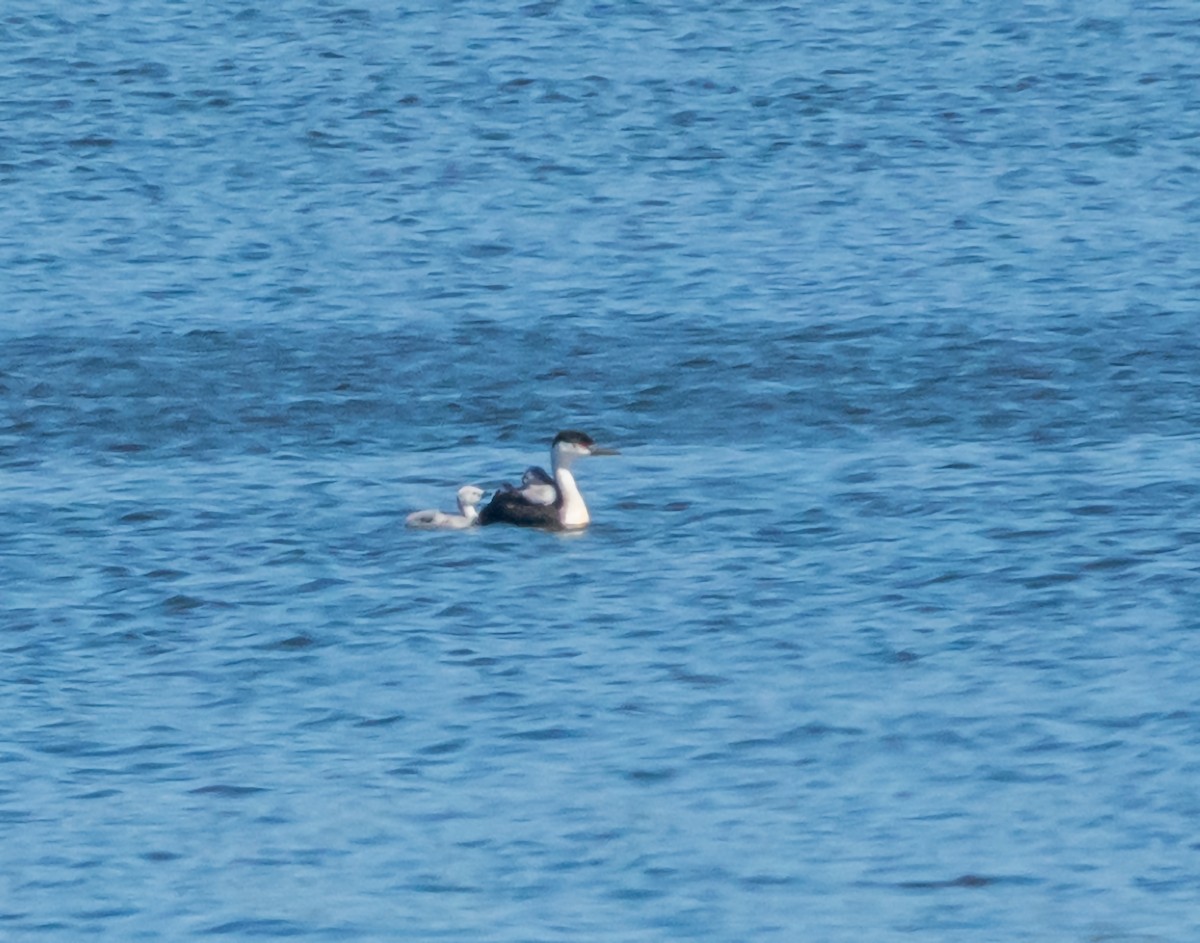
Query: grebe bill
point(468, 497)
point(567, 510)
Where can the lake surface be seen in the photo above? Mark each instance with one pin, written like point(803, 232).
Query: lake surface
point(886, 626)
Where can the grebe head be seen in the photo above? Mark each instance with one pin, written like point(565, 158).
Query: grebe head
point(537, 487)
point(535, 476)
point(468, 497)
point(570, 444)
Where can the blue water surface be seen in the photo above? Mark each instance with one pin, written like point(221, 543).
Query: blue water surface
point(886, 624)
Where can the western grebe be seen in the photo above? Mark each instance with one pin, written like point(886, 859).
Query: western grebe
point(566, 510)
point(468, 497)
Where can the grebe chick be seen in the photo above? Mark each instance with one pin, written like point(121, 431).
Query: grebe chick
point(536, 486)
point(566, 510)
point(468, 497)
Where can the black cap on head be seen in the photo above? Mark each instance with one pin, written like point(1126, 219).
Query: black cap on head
point(575, 437)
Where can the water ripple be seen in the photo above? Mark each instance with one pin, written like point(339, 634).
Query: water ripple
point(882, 628)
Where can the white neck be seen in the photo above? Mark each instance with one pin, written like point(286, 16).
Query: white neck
point(467, 508)
point(574, 512)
